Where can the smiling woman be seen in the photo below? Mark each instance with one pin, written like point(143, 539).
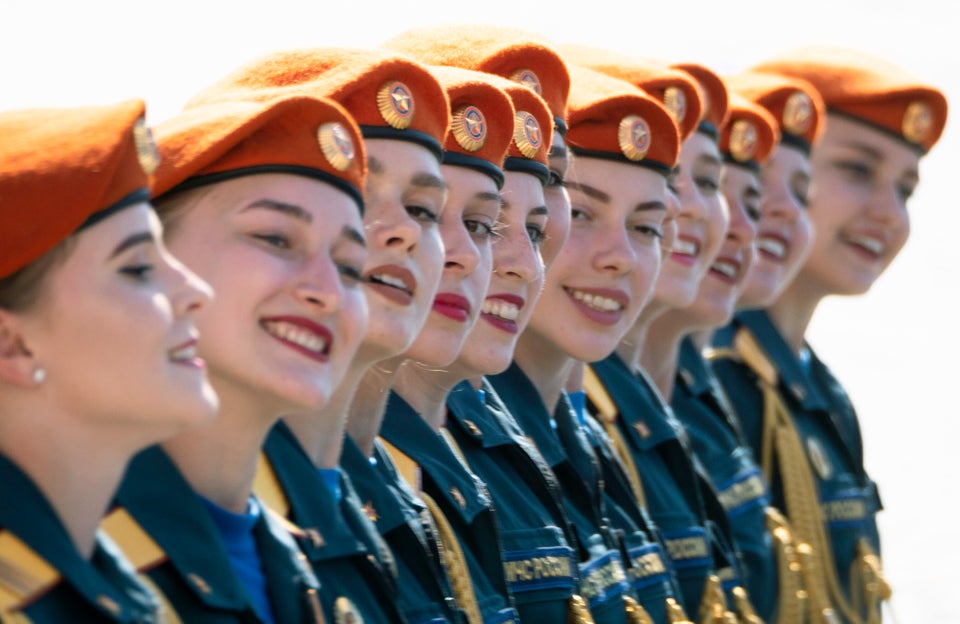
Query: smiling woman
point(264, 202)
point(97, 356)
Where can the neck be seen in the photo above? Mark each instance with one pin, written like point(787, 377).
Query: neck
point(219, 460)
point(547, 367)
point(702, 338)
point(426, 389)
point(369, 402)
point(77, 467)
point(792, 313)
point(662, 351)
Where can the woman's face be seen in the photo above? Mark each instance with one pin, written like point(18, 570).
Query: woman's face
point(861, 180)
point(467, 228)
point(114, 330)
point(285, 255)
point(720, 287)
point(700, 222)
point(596, 287)
point(557, 200)
point(517, 277)
point(405, 198)
point(784, 232)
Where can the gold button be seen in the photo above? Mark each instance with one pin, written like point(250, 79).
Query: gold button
point(200, 583)
point(109, 604)
point(458, 496)
point(474, 429)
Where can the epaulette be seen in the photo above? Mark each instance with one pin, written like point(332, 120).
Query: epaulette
point(267, 487)
point(24, 577)
point(753, 356)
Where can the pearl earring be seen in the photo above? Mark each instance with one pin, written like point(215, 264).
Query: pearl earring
point(39, 374)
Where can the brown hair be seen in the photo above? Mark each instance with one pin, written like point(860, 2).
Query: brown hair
point(20, 290)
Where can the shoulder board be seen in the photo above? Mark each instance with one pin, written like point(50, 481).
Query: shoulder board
point(753, 356)
point(408, 468)
point(24, 575)
point(598, 395)
point(267, 487)
point(721, 353)
point(137, 545)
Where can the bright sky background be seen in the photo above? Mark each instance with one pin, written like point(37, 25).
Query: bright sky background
point(893, 348)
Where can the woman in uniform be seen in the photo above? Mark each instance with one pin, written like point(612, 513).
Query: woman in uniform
point(263, 200)
point(98, 360)
point(879, 123)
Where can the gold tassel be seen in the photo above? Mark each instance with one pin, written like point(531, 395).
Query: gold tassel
point(745, 611)
point(791, 595)
point(578, 612)
point(636, 614)
point(675, 613)
point(713, 604)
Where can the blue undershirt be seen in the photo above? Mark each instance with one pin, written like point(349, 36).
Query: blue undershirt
point(241, 544)
point(331, 477)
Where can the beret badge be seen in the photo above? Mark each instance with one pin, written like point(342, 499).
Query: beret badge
point(676, 102)
point(633, 136)
point(469, 128)
point(797, 113)
point(529, 79)
point(396, 104)
point(743, 140)
point(527, 134)
point(147, 152)
point(336, 145)
point(917, 122)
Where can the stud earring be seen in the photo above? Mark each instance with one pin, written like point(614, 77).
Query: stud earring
point(39, 374)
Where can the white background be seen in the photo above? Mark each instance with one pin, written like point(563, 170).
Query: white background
point(893, 348)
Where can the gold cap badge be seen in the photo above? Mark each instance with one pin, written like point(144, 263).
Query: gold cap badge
point(917, 121)
point(675, 100)
point(396, 104)
point(529, 79)
point(797, 113)
point(527, 134)
point(469, 128)
point(743, 140)
point(634, 137)
point(147, 152)
point(336, 145)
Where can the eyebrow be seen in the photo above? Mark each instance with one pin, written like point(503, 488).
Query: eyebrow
point(133, 240)
point(866, 150)
point(558, 151)
point(428, 180)
point(710, 159)
point(374, 165)
point(291, 210)
point(599, 195)
point(535, 211)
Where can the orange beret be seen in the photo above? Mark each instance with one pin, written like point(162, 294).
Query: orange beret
point(794, 103)
point(869, 90)
point(749, 134)
point(512, 53)
point(302, 135)
point(63, 169)
point(611, 118)
point(529, 149)
point(714, 96)
point(677, 90)
point(481, 128)
point(391, 96)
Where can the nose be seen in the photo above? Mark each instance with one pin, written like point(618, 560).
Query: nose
point(614, 252)
point(742, 230)
point(388, 225)
point(886, 204)
point(189, 292)
point(320, 285)
point(691, 203)
point(515, 256)
point(461, 254)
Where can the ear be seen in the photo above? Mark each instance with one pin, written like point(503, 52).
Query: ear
point(16, 360)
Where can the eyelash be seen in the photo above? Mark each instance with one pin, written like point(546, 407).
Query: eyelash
point(707, 183)
point(422, 214)
point(555, 179)
point(536, 233)
point(351, 273)
point(138, 272)
point(649, 230)
point(480, 230)
point(274, 240)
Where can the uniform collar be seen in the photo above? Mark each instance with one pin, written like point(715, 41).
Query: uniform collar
point(106, 580)
point(312, 504)
point(405, 429)
point(524, 402)
point(383, 503)
point(792, 376)
point(480, 420)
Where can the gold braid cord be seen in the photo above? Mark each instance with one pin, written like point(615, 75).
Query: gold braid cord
point(713, 604)
point(782, 443)
point(636, 614)
point(578, 612)
point(608, 416)
point(791, 595)
point(675, 613)
point(452, 558)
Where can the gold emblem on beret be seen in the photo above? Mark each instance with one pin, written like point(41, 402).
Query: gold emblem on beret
point(917, 122)
point(633, 136)
point(146, 147)
point(469, 128)
point(528, 78)
point(336, 145)
point(797, 113)
point(675, 100)
point(527, 134)
point(395, 101)
point(345, 612)
point(743, 140)
point(818, 458)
